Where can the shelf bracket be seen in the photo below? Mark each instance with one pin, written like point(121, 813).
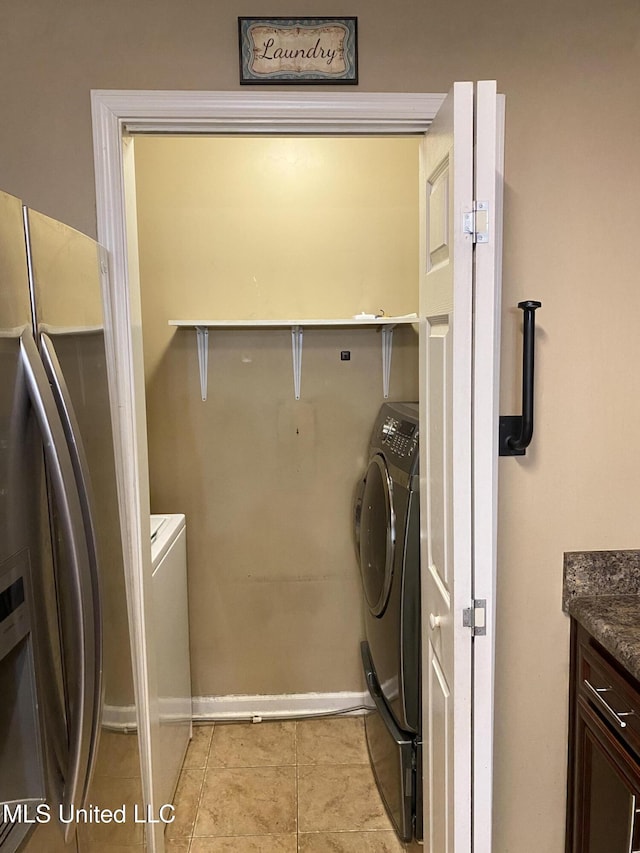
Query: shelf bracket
point(296, 348)
point(387, 348)
point(202, 334)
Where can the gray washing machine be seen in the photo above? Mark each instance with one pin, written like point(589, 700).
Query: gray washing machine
point(387, 531)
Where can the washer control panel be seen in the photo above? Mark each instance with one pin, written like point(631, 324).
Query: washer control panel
point(400, 436)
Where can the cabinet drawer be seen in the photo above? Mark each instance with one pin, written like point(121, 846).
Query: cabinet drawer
point(611, 694)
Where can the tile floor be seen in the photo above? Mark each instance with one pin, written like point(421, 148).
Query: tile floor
point(279, 787)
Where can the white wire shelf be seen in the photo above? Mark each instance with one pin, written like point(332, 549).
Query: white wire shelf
point(386, 326)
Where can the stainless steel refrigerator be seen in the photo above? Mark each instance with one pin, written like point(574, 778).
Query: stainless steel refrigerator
point(68, 741)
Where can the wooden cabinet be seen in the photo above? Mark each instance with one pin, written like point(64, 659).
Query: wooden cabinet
point(603, 808)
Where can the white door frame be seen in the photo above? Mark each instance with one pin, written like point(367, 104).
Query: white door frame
point(115, 115)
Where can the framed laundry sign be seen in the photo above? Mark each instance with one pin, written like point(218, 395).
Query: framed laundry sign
point(298, 50)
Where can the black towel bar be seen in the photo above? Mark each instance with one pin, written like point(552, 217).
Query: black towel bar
point(516, 431)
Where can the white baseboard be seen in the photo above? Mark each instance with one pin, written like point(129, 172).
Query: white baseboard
point(241, 707)
point(266, 707)
point(120, 718)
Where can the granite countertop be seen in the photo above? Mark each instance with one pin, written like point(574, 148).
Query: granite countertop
point(601, 591)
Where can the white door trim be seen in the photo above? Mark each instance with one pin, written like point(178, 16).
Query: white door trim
point(486, 389)
point(259, 112)
point(116, 114)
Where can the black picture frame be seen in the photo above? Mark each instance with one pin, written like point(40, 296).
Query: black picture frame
point(320, 50)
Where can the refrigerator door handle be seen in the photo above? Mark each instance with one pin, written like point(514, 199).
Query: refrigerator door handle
point(81, 691)
point(92, 578)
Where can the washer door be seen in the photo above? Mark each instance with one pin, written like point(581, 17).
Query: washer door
point(377, 535)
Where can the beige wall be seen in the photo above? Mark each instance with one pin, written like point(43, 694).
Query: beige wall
point(570, 73)
point(278, 227)
point(268, 228)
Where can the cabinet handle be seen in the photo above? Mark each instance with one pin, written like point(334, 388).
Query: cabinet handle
point(597, 693)
point(633, 848)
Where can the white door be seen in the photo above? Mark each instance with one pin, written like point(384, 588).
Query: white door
point(457, 425)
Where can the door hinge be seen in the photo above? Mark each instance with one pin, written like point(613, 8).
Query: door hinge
point(476, 617)
point(476, 222)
